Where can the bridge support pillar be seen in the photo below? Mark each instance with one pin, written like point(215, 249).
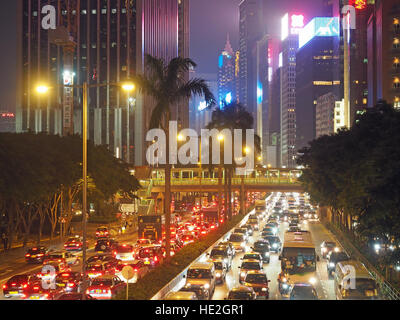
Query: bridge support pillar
point(242, 197)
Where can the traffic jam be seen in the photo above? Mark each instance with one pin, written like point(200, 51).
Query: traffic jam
point(271, 255)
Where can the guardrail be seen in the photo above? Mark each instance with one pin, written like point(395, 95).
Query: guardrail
point(172, 285)
point(386, 289)
point(235, 181)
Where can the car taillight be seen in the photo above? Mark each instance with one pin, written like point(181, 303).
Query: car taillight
point(13, 284)
point(115, 253)
point(155, 259)
point(25, 286)
point(71, 285)
point(87, 291)
point(36, 288)
point(4, 286)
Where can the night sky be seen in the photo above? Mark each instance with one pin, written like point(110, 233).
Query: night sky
point(211, 21)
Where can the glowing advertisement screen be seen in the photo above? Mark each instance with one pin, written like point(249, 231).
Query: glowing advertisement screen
point(319, 27)
point(285, 26)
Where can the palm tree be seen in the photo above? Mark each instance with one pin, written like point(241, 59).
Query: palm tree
point(166, 84)
point(233, 116)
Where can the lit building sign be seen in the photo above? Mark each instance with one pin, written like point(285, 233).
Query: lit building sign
point(319, 27)
point(260, 93)
point(270, 74)
point(285, 27)
point(202, 106)
point(228, 98)
point(280, 60)
point(360, 4)
point(8, 115)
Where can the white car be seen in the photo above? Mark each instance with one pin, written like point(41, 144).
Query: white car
point(124, 252)
point(59, 256)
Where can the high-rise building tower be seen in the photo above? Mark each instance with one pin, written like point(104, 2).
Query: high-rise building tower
point(226, 75)
point(110, 40)
point(291, 25)
point(315, 74)
point(384, 53)
point(252, 30)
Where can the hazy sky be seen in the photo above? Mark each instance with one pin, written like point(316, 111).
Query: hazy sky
point(211, 20)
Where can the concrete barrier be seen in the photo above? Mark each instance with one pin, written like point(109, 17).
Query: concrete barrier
point(176, 283)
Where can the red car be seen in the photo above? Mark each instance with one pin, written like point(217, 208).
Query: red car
point(104, 287)
point(151, 256)
point(69, 281)
point(74, 244)
point(17, 286)
point(102, 232)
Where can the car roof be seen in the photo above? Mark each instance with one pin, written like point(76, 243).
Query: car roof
point(201, 265)
point(250, 260)
point(257, 272)
point(180, 295)
point(106, 277)
point(242, 289)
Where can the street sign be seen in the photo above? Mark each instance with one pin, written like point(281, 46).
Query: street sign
point(127, 208)
point(128, 273)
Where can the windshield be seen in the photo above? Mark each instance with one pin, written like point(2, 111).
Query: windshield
point(236, 238)
point(256, 278)
point(251, 266)
point(18, 279)
point(218, 265)
point(199, 274)
point(241, 230)
point(217, 252)
point(299, 256)
point(102, 282)
point(338, 256)
point(260, 245)
point(251, 256)
point(272, 239)
point(363, 288)
point(95, 268)
point(238, 295)
point(303, 292)
point(146, 253)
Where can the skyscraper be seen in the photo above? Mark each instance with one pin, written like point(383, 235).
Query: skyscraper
point(291, 25)
point(251, 29)
point(315, 74)
point(226, 75)
point(109, 40)
point(384, 53)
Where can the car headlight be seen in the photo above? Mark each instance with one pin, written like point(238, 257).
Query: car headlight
point(284, 280)
point(275, 245)
point(226, 260)
point(337, 249)
point(331, 264)
point(313, 281)
point(242, 245)
point(274, 230)
point(267, 254)
point(285, 286)
point(323, 249)
point(242, 274)
point(264, 289)
point(206, 286)
point(218, 275)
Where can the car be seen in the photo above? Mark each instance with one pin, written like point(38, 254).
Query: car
point(303, 291)
point(58, 267)
point(61, 256)
point(333, 258)
point(105, 245)
point(202, 274)
point(174, 248)
point(69, 281)
point(99, 269)
point(151, 256)
point(105, 287)
point(143, 242)
point(294, 229)
point(188, 238)
point(138, 267)
point(73, 296)
point(249, 265)
point(259, 282)
point(221, 252)
point(182, 294)
point(249, 228)
point(267, 233)
point(275, 243)
point(254, 222)
point(242, 293)
point(231, 249)
point(102, 232)
point(238, 241)
point(74, 244)
point(243, 231)
point(103, 258)
point(220, 270)
point(263, 248)
point(36, 254)
point(252, 256)
point(327, 247)
point(124, 252)
point(17, 285)
point(198, 291)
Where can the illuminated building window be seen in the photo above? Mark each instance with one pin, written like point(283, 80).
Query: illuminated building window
point(396, 43)
point(396, 83)
point(396, 63)
point(322, 83)
point(365, 101)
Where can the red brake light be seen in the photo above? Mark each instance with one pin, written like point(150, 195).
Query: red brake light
point(35, 288)
point(25, 286)
point(27, 255)
point(155, 258)
point(4, 286)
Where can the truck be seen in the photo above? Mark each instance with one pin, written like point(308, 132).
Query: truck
point(210, 214)
point(151, 227)
point(260, 206)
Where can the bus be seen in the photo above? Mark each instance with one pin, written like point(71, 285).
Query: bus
point(364, 286)
point(299, 258)
point(261, 206)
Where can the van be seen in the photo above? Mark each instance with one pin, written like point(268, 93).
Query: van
point(202, 274)
point(360, 286)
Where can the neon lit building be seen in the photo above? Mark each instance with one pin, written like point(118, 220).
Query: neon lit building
point(291, 25)
point(226, 75)
point(315, 74)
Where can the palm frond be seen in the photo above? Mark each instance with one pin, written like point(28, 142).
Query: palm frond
point(157, 115)
point(197, 87)
point(155, 67)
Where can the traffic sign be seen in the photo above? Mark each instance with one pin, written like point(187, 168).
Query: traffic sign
point(128, 273)
point(127, 208)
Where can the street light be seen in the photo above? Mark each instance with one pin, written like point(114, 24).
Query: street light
point(43, 89)
point(128, 88)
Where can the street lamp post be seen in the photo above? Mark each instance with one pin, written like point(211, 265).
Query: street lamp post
point(43, 89)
